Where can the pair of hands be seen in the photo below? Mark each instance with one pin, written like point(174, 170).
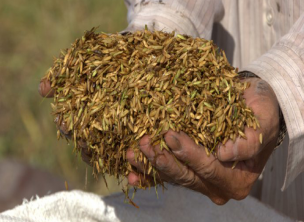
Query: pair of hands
point(212, 176)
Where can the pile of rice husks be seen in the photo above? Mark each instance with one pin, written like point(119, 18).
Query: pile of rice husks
point(111, 89)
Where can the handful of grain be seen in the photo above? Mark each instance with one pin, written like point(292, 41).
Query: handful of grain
point(112, 89)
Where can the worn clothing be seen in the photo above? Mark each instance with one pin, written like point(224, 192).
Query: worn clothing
point(261, 36)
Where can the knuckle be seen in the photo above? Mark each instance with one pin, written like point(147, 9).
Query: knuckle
point(181, 154)
point(162, 163)
point(187, 179)
point(184, 154)
point(168, 135)
point(190, 180)
point(144, 141)
point(208, 172)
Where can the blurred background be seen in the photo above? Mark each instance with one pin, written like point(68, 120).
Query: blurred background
point(32, 32)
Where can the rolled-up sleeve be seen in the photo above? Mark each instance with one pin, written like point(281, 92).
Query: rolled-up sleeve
point(283, 68)
point(191, 17)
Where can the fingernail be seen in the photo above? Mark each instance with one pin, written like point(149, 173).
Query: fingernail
point(177, 145)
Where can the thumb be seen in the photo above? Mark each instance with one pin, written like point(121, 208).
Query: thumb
point(241, 149)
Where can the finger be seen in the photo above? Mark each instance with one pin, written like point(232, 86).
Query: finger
point(261, 99)
point(204, 180)
point(86, 157)
point(86, 154)
point(140, 166)
point(207, 168)
point(144, 169)
point(186, 150)
point(45, 89)
point(140, 180)
point(161, 159)
point(63, 127)
point(170, 167)
point(215, 177)
point(241, 149)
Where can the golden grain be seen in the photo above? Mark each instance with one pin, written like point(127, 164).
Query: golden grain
point(112, 89)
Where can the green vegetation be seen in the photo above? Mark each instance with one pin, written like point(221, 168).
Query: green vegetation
point(32, 32)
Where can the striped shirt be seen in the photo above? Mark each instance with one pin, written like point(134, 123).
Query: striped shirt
point(265, 37)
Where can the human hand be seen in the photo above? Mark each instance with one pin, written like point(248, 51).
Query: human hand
point(214, 176)
point(45, 90)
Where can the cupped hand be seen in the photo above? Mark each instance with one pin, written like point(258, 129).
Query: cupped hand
point(45, 90)
point(188, 164)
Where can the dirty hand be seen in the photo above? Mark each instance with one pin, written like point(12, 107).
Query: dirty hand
point(211, 176)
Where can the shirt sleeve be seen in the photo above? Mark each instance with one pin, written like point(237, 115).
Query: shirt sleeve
point(283, 68)
point(191, 17)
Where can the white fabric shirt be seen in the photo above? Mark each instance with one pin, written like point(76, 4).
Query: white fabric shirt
point(265, 37)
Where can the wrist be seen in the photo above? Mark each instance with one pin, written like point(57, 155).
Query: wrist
point(282, 125)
